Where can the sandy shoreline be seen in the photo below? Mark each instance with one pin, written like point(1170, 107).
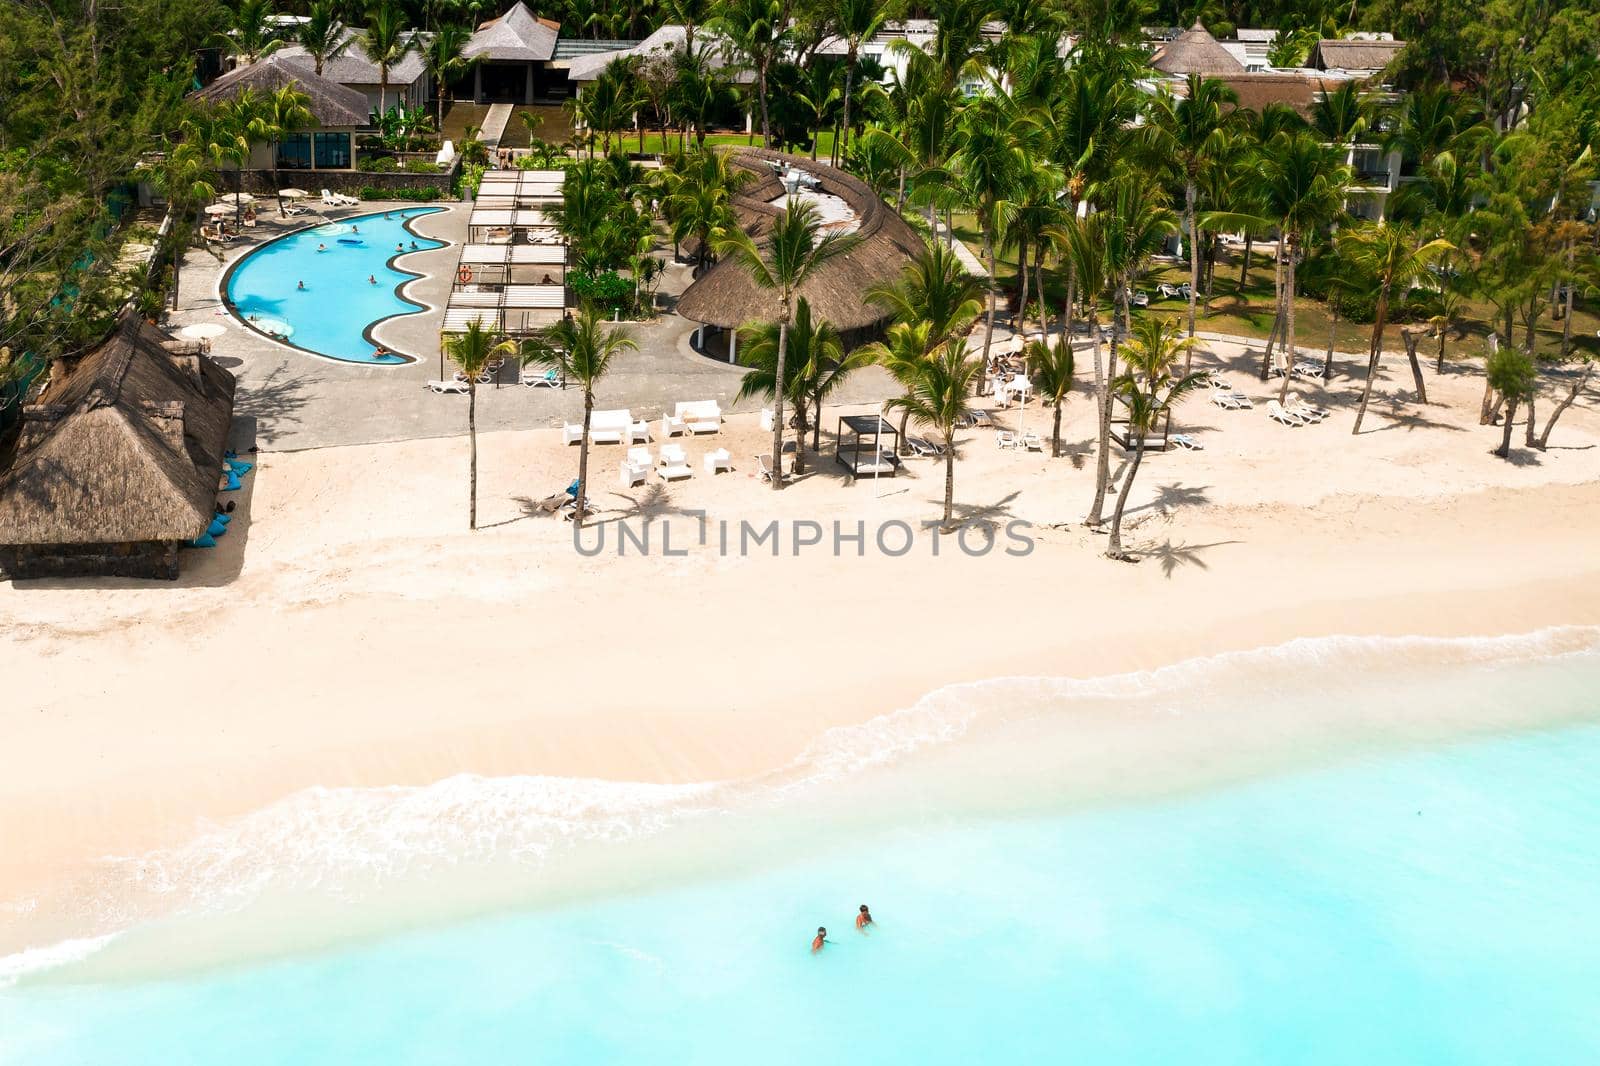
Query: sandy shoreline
point(353, 632)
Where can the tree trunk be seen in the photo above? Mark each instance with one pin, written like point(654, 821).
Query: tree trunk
point(438, 108)
point(988, 328)
point(472, 437)
point(816, 423)
point(1504, 451)
point(1566, 308)
point(1440, 368)
point(1066, 305)
point(1277, 314)
point(842, 141)
point(777, 397)
point(1055, 434)
point(766, 127)
point(1244, 268)
point(1102, 462)
point(1114, 549)
point(1038, 284)
point(1289, 352)
point(1333, 335)
point(1577, 387)
point(1022, 294)
point(583, 459)
point(1103, 469)
point(1530, 439)
point(949, 478)
point(1416, 369)
point(1194, 265)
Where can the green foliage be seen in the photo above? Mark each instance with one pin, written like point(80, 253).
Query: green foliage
point(607, 289)
point(373, 192)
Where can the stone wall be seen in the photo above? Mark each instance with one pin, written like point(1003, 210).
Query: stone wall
point(150, 560)
point(265, 182)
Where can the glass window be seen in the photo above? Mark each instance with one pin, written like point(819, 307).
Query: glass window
point(333, 151)
point(294, 151)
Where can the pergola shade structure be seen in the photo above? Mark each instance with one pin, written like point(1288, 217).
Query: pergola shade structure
point(512, 275)
point(873, 446)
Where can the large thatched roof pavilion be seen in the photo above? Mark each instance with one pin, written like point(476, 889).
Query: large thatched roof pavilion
point(725, 296)
point(1195, 51)
point(119, 462)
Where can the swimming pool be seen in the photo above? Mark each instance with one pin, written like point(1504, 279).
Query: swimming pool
point(323, 289)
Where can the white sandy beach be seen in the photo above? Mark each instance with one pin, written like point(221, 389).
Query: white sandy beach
point(351, 631)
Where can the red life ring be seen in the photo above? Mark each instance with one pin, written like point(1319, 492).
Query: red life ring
point(464, 275)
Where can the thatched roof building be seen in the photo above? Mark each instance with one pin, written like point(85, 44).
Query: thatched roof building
point(726, 297)
point(332, 104)
point(1195, 51)
point(1362, 57)
point(118, 465)
point(517, 36)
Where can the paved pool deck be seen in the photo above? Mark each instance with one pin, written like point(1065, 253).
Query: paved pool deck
point(291, 400)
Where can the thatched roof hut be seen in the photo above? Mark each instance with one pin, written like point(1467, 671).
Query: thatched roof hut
point(1356, 56)
point(1294, 89)
point(726, 297)
point(331, 103)
point(1195, 51)
point(118, 464)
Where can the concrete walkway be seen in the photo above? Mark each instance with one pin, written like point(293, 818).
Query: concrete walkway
point(494, 125)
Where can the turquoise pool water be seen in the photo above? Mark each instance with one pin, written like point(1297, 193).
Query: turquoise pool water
point(333, 314)
point(1439, 904)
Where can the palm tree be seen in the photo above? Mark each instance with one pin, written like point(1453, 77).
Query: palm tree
point(699, 202)
point(471, 352)
point(1448, 304)
point(385, 43)
point(855, 22)
point(608, 106)
point(322, 35)
point(582, 349)
point(1032, 208)
point(1150, 389)
point(1135, 223)
point(1190, 132)
point(445, 56)
point(988, 161)
point(758, 31)
point(1391, 256)
point(815, 366)
point(1050, 369)
point(1302, 187)
point(818, 96)
point(249, 30)
point(934, 288)
point(791, 254)
point(1342, 116)
point(285, 111)
point(224, 135)
point(938, 398)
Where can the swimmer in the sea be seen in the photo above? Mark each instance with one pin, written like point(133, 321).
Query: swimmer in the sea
point(863, 919)
point(821, 939)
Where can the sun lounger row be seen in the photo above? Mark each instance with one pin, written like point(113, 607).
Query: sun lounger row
point(1018, 441)
point(1296, 413)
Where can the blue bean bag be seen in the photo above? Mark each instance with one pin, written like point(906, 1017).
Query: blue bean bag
point(223, 517)
point(233, 483)
point(204, 540)
point(216, 529)
point(572, 489)
point(240, 468)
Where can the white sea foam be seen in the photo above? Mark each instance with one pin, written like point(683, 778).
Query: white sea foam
point(34, 960)
point(342, 841)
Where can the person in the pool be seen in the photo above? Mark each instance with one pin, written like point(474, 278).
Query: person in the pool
point(354, 228)
point(380, 352)
point(301, 286)
point(863, 919)
point(399, 247)
point(371, 280)
point(413, 246)
point(821, 939)
point(322, 247)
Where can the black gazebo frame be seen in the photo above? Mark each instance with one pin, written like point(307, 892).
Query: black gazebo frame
point(873, 426)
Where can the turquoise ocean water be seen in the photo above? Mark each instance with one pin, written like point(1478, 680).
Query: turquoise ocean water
point(1426, 900)
point(332, 314)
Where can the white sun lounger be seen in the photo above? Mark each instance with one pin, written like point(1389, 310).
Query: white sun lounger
point(442, 387)
point(1006, 439)
point(338, 199)
point(764, 464)
point(534, 379)
point(924, 447)
point(1276, 412)
point(1186, 442)
point(674, 464)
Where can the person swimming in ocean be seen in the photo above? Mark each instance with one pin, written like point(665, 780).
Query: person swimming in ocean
point(821, 939)
point(863, 919)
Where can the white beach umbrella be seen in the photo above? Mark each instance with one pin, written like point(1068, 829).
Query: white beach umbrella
point(202, 331)
point(236, 199)
point(293, 194)
point(220, 209)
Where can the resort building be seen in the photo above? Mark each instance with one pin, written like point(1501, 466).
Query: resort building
point(513, 54)
point(117, 465)
point(340, 112)
point(408, 85)
point(1333, 64)
point(725, 297)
